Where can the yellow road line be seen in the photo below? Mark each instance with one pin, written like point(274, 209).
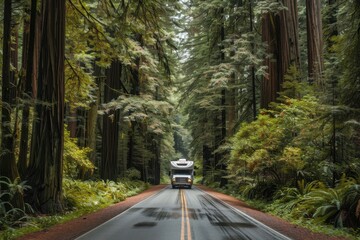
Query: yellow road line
point(184, 217)
point(187, 219)
point(182, 237)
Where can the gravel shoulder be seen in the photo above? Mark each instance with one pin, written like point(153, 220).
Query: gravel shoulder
point(74, 228)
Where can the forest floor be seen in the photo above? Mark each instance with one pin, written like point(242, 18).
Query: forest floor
point(74, 228)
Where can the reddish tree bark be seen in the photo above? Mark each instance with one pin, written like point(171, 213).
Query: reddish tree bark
point(29, 63)
point(110, 138)
point(46, 157)
point(314, 42)
point(8, 166)
point(280, 32)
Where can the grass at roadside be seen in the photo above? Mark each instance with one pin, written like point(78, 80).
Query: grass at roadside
point(80, 198)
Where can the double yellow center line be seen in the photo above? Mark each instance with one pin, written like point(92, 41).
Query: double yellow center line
point(185, 220)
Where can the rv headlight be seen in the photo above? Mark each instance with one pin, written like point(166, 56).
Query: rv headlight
point(173, 179)
point(189, 180)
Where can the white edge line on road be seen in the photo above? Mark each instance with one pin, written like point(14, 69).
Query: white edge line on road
point(151, 196)
point(271, 230)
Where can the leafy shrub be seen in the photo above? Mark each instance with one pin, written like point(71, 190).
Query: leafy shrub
point(284, 141)
point(338, 206)
point(94, 194)
point(75, 158)
point(248, 190)
point(252, 189)
point(80, 197)
point(9, 215)
point(133, 174)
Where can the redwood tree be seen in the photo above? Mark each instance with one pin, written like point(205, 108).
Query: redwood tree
point(7, 156)
point(314, 41)
point(280, 32)
point(29, 63)
point(46, 158)
point(110, 137)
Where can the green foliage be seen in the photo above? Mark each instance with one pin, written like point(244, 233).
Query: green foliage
point(9, 215)
point(79, 57)
point(149, 121)
point(315, 200)
point(265, 6)
point(132, 174)
point(254, 144)
point(259, 190)
point(80, 197)
point(218, 64)
point(349, 54)
point(95, 194)
point(282, 142)
point(75, 158)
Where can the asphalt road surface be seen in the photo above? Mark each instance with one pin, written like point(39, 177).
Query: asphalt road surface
point(182, 214)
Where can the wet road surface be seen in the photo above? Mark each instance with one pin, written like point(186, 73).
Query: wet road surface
point(182, 214)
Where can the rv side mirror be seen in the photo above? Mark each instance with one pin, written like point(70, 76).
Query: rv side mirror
point(169, 173)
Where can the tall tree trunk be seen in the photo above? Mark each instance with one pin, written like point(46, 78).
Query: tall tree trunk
point(270, 85)
point(29, 64)
point(222, 165)
point(333, 31)
point(253, 79)
point(14, 58)
point(8, 166)
point(46, 159)
point(156, 141)
point(72, 122)
point(110, 139)
point(206, 166)
point(157, 161)
point(135, 90)
point(280, 32)
point(314, 42)
point(91, 121)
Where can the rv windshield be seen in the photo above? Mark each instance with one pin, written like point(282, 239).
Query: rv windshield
point(182, 172)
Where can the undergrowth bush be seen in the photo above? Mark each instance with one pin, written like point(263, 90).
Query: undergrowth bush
point(76, 158)
point(132, 174)
point(90, 194)
point(261, 190)
point(11, 216)
point(339, 206)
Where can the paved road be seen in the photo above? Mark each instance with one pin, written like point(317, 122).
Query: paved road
point(182, 214)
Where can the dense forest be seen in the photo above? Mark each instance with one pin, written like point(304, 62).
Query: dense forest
point(101, 94)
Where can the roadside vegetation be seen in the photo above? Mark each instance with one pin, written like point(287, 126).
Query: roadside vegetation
point(80, 197)
point(280, 160)
point(279, 163)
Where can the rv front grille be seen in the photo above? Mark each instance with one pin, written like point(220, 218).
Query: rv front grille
point(181, 180)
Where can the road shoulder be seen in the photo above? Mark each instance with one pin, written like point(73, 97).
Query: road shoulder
point(77, 227)
point(290, 230)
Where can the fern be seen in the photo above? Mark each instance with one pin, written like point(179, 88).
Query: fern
point(9, 215)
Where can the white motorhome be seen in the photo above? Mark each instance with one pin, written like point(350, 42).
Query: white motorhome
point(182, 173)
